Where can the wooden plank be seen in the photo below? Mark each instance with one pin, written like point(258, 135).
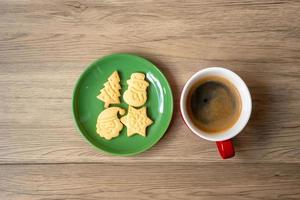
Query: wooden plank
point(37, 126)
point(163, 181)
point(45, 46)
point(60, 31)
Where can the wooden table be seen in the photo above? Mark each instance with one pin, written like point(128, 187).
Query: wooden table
point(45, 46)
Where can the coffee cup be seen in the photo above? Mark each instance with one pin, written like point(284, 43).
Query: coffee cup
point(222, 137)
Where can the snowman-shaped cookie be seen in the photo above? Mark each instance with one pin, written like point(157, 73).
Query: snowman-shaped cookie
point(136, 94)
point(108, 124)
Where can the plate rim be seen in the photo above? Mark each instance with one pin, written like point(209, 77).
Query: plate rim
point(74, 95)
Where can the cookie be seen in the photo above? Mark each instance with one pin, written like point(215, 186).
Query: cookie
point(136, 94)
point(108, 124)
point(136, 121)
point(110, 93)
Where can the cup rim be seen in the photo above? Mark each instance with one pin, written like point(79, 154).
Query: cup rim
point(245, 97)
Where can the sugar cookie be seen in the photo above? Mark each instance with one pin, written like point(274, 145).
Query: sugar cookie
point(136, 121)
point(110, 93)
point(136, 94)
point(108, 124)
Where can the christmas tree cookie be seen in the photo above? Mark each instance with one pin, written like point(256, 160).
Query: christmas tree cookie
point(110, 93)
point(136, 94)
point(136, 121)
point(108, 124)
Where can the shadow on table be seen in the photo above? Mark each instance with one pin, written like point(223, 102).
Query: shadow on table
point(254, 136)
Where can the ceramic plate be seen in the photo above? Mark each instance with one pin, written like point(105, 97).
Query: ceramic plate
point(86, 107)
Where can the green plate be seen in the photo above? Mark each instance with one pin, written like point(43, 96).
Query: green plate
point(86, 107)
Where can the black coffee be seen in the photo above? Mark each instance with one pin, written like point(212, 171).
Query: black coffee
point(214, 104)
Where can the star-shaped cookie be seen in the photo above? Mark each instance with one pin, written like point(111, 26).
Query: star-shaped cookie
point(136, 121)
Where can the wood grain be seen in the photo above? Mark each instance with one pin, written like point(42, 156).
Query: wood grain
point(45, 46)
point(37, 125)
point(163, 181)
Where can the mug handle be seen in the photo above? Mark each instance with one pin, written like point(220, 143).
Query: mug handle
point(226, 149)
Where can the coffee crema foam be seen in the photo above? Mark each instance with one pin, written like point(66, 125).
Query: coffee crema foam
point(213, 104)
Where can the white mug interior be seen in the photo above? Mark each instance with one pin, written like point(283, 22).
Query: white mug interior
point(245, 101)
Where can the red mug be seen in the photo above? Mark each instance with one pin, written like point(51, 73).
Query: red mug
point(223, 139)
